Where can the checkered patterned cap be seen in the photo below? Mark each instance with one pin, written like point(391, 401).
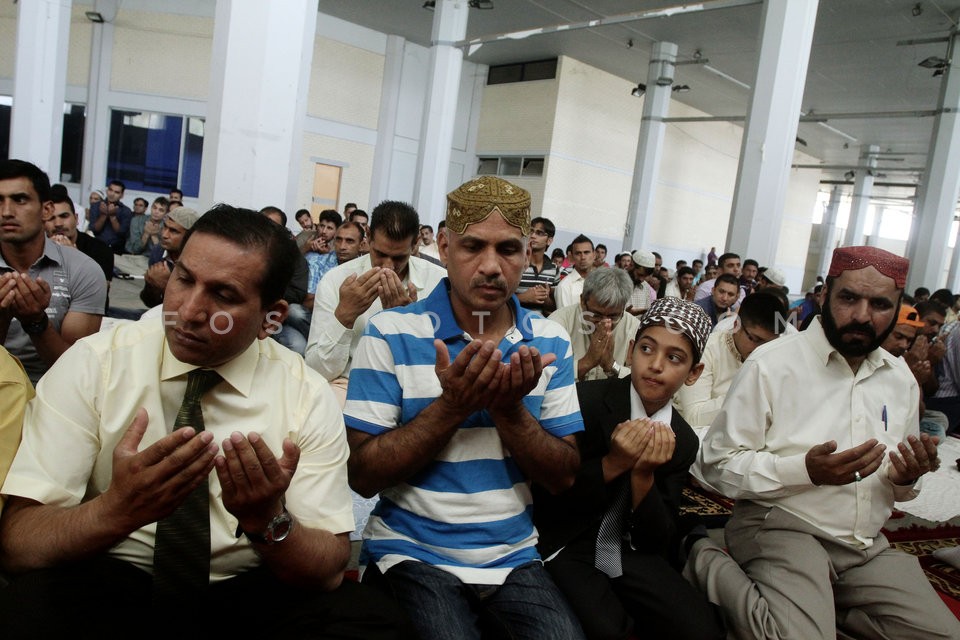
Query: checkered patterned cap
point(681, 316)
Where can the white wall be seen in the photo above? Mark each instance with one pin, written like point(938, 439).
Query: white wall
point(591, 132)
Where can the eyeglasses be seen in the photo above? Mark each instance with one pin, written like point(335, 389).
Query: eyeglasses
point(590, 314)
point(539, 232)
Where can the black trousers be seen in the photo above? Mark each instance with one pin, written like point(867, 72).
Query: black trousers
point(650, 600)
point(109, 598)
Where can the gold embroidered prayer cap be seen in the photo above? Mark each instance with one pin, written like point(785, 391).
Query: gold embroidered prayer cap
point(475, 200)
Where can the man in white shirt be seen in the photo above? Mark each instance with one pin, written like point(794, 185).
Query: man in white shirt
point(389, 276)
point(569, 290)
point(642, 265)
point(727, 263)
point(816, 440)
point(762, 318)
point(601, 332)
point(187, 461)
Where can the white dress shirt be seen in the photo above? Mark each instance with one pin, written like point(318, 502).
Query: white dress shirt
point(331, 345)
point(796, 392)
point(569, 290)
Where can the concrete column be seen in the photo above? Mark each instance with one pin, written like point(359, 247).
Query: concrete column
point(771, 129)
point(259, 78)
point(937, 197)
point(646, 168)
point(828, 233)
point(387, 121)
point(94, 166)
point(440, 108)
point(877, 221)
point(39, 83)
point(862, 190)
point(953, 274)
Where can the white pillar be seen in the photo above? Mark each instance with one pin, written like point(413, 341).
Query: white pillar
point(953, 275)
point(94, 167)
point(440, 109)
point(862, 190)
point(39, 83)
point(646, 168)
point(937, 197)
point(259, 77)
point(828, 231)
point(877, 221)
point(771, 129)
point(387, 121)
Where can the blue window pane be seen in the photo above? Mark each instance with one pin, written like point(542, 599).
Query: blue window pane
point(192, 154)
point(144, 150)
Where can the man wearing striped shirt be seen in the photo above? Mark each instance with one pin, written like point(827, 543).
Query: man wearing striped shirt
point(455, 404)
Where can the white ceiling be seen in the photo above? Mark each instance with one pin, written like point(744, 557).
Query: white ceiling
point(856, 65)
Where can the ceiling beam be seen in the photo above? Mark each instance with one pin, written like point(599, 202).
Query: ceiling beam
point(665, 12)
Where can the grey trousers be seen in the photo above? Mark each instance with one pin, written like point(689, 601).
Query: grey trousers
point(785, 579)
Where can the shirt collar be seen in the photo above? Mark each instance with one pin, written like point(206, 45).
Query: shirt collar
point(51, 252)
point(637, 411)
point(238, 372)
point(446, 327)
point(728, 340)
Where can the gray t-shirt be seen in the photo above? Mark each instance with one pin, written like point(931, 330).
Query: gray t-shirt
point(76, 284)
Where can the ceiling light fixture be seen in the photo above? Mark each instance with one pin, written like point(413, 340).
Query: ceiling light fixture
point(430, 5)
point(849, 175)
point(680, 88)
point(933, 62)
point(917, 10)
point(95, 16)
point(639, 90)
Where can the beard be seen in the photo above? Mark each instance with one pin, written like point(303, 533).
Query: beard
point(835, 335)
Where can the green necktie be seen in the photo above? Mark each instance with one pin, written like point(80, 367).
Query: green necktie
point(181, 552)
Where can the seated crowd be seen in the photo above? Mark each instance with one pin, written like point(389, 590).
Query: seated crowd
point(527, 419)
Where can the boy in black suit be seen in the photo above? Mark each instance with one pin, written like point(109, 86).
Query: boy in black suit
point(611, 540)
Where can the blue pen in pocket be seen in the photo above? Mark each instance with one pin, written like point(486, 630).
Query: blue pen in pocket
point(883, 416)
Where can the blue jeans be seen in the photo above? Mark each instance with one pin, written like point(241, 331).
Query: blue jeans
point(527, 606)
point(934, 423)
point(296, 328)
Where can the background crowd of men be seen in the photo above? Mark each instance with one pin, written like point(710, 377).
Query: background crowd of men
point(527, 421)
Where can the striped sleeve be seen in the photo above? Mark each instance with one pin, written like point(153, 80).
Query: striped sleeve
point(560, 410)
point(374, 395)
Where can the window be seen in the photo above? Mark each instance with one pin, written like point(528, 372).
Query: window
point(71, 144)
point(525, 166)
point(522, 71)
point(155, 152)
point(71, 150)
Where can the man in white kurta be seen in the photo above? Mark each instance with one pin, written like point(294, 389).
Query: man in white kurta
point(816, 440)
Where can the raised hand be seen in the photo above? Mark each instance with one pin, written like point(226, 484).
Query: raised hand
point(824, 466)
point(357, 293)
point(626, 443)
point(253, 480)
point(472, 380)
point(393, 293)
point(30, 297)
point(519, 378)
point(916, 457)
point(148, 485)
point(658, 448)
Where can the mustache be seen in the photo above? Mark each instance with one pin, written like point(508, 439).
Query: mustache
point(858, 327)
point(498, 283)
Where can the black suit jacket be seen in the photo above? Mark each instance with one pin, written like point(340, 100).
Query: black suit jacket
point(576, 513)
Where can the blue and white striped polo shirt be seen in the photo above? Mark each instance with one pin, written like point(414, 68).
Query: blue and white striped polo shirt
point(469, 511)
